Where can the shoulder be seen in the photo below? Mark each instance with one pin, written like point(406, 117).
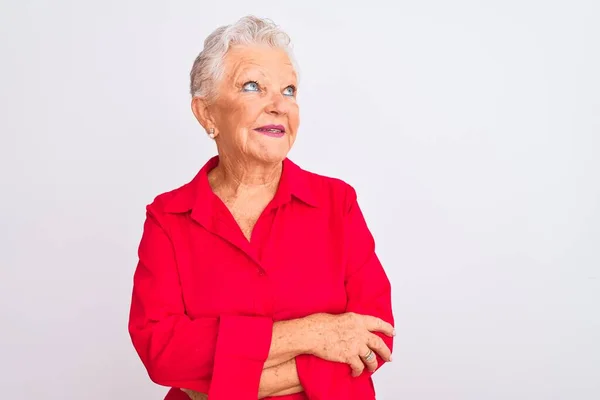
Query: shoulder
point(331, 191)
point(178, 200)
point(183, 198)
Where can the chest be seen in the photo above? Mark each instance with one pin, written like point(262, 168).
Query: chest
point(293, 267)
point(245, 211)
point(246, 218)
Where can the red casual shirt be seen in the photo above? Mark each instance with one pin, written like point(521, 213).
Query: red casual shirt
point(205, 298)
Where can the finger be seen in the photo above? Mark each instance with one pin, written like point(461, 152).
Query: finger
point(368, 357)
point(375, 324)
point(357, 365)
point(193, 395)
point(378, 345)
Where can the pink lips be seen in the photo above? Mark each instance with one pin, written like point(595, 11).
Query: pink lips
point(271, 130)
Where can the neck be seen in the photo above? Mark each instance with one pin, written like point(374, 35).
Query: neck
point(242, 177)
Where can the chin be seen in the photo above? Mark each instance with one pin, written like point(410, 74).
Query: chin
point(272, 156)
point(272, 152)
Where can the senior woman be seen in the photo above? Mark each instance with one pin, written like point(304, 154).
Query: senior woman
point(258, 279)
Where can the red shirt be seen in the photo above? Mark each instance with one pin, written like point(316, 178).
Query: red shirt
point(205, 298)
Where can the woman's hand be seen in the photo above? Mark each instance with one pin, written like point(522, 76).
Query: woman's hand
point(348, 338)
point(195, 395)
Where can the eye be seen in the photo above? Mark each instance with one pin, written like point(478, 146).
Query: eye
point(289, 91)
point(251, 86)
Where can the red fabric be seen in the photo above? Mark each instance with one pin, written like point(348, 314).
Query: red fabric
point(205, 299)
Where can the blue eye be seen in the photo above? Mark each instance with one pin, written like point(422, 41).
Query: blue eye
point(251, 86)
point(289, 91)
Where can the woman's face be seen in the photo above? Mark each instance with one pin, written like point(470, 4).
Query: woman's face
point(255, 114)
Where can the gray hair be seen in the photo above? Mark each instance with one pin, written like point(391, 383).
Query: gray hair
point(208, 66)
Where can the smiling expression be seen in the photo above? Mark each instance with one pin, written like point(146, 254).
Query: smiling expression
point(255, 113)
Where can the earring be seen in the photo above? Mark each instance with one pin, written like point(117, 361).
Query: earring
point(211, 133)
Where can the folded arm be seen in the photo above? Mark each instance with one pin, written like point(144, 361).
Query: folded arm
point(279, 380)
point(369, 293)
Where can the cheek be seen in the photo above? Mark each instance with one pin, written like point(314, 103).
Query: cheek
point(247, 115)
point(294, 117)
point(244, 121)
point(239, 113)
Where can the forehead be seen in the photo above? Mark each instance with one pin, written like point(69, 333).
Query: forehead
point(270, 61)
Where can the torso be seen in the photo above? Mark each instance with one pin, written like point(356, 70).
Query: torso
point(289, 262)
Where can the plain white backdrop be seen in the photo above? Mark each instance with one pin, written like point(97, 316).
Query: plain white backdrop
point(470, 130)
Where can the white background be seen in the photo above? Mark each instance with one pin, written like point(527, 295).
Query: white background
point(470, 130)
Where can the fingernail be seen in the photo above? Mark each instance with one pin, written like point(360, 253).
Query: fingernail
point(394, 332)
point(390, 358)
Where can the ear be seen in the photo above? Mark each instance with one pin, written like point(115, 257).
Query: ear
point(202, 113)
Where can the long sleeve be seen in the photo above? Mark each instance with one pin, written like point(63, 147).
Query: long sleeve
point(223, 357)
point(368, 292)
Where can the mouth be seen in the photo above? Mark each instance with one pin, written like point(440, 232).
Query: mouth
point(272, 130)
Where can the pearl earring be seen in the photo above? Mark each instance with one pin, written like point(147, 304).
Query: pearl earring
point(212, 133)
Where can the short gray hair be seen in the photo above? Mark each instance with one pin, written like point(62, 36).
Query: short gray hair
point(208, 66)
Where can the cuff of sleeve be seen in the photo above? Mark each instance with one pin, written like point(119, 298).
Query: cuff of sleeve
point(322, 379)
point(242, 348)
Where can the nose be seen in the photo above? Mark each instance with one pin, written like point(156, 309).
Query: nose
point(278, 105)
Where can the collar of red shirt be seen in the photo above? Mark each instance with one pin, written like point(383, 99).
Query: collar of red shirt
point(198, 196)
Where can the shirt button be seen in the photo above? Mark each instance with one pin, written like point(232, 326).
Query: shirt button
point(261, 272)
